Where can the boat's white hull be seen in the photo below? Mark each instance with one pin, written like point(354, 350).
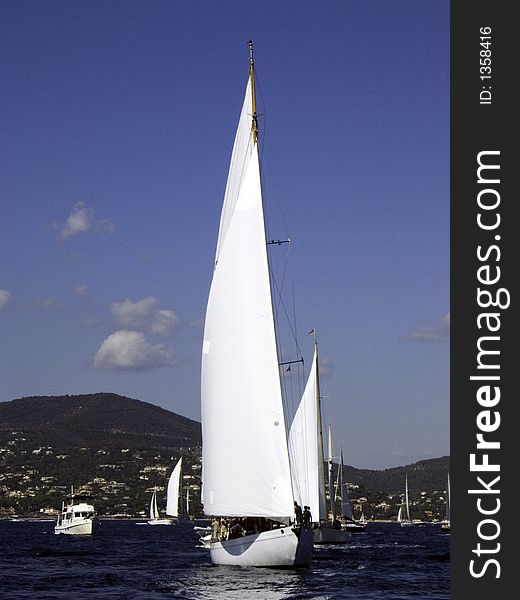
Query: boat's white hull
point(161, 522)
point(76, 527)
point(330, 535)
point(276, 548)
point(354, 527)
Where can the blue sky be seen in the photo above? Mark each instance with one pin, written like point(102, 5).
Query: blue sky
point(117, 122)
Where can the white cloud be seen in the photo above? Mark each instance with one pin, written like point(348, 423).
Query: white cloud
point(4, 298)
point(81, 220)
point(81, 291)
point(326, 366)
point(438, 332)
point(45, 302)
point(129, 350)
point(144, 315)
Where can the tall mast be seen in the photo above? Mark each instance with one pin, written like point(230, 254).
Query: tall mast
point(254, 124)
point(320, 423)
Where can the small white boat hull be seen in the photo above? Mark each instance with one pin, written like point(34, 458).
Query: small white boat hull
point(330, 535)
point(276, 548)
point(76, 527)
point(161, 522)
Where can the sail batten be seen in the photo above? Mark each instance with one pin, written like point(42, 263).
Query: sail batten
point(245, 458)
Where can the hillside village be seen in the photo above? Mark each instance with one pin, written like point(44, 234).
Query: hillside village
point(127, 458)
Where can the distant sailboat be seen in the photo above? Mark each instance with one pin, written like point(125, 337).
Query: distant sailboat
point(348, 522)
point(306, 450)
point(403, 516)
point(172, 499)
point(446, 525)
point(246, 471)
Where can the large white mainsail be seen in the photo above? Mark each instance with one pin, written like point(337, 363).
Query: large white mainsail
point(172, 499)
point(305, 447)
point(245, 458)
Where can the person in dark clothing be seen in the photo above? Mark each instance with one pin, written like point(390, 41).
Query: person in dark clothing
point(306, 517)
point(298, 513)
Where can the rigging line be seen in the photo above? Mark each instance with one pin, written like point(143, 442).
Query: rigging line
point(282, 304)
point(296, 336)
point(270, 171)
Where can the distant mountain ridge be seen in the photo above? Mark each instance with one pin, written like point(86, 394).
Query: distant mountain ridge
point(96, 420)
point(107, 419)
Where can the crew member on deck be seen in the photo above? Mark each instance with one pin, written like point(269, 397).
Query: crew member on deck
point(298, 513)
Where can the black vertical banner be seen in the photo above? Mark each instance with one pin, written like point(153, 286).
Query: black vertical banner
point(484, 305)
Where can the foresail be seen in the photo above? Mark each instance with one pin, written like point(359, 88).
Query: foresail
point(305, 450)
point(172, 502)
point(245, 459)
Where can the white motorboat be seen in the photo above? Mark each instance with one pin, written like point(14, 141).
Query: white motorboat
point(77, 516)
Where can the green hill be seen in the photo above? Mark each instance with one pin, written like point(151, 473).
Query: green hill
point(118, 449)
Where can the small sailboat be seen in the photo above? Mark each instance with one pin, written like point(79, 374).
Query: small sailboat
point(446, 525)
point(348, 523)
point(246, 474)
point(403, 516)
point(306, 451)
point(172, 499)
point(77, 516)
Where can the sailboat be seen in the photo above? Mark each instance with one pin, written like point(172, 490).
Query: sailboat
point(403, 516)
point(246, 475)
point(172, 499)
point(446, 525)
point(306, 451)
point(348, 522)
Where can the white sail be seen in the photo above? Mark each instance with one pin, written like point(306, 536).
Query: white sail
point(448, 501)
point(305, 448)
point(400, 514)
point(245, 458)
point(346, 509)
point(154, 513)
point(330, 466)
point(172, 500)
point(406, 499)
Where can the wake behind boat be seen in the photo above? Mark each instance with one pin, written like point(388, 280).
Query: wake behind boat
point(77, 517)
point(246, 477)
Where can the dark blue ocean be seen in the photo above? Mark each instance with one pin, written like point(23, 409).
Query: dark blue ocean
point(124, 560)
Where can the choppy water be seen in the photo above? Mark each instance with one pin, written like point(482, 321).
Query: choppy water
point(126, 561)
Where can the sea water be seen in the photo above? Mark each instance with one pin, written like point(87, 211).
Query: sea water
point(124, 560)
